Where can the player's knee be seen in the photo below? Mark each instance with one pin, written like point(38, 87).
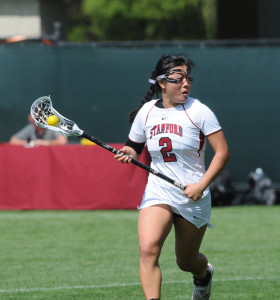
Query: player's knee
point(148, 252)
point(185, 265)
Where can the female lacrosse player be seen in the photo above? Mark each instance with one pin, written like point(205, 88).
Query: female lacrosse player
point(175, 128)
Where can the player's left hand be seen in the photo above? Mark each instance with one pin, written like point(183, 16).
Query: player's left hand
point(193, 191)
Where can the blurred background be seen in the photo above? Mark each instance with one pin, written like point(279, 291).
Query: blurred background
point(94, 58)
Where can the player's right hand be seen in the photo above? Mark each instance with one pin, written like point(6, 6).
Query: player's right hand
point(126, 155)
point(193, 191)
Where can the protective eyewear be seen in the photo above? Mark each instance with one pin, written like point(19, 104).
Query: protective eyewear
point(180, 76)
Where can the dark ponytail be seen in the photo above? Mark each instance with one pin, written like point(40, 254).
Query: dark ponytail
point(165, 63)
point(154, 90)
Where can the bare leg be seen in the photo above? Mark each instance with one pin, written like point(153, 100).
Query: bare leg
point(154, 224)
point(188, 241)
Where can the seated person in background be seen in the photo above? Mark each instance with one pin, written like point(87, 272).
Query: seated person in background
point(32, 135)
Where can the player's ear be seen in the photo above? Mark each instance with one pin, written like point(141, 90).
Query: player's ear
point(161, 83)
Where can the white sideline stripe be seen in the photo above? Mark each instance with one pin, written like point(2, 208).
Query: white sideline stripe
point(36, 289)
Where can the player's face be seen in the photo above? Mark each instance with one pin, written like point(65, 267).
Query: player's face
point(174, 93)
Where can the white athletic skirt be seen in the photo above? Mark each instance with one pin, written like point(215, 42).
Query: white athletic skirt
point(196, 212)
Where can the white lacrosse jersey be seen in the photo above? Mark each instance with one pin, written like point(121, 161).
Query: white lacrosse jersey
point(176, 141)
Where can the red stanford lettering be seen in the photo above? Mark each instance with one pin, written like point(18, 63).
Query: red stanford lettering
point(166, 128)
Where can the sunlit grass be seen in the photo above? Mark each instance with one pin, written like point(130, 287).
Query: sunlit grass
point(94, 255)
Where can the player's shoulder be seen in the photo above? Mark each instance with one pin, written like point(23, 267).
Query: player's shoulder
point(199, 112)
point(147, 107)
point(150, 104)
point(144, 112)
point(194, 105)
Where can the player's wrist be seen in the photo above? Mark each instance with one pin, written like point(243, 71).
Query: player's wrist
point(202, 186)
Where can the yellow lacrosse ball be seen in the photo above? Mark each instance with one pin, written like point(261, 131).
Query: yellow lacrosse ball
point(53, 120)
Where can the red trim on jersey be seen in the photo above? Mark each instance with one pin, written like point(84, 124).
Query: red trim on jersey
point(214, 132)
point(189, 117)
point(149, 112)
point(201, 134)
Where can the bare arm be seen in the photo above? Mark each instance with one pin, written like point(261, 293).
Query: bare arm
point(218, 143)
point(17, 142)
point(60, 140)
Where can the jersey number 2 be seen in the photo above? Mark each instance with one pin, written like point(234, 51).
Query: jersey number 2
point(166, 145)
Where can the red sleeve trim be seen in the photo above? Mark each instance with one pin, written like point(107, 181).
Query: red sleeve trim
point(214, 132)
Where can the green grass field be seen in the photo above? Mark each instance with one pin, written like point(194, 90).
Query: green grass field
point(94, 255)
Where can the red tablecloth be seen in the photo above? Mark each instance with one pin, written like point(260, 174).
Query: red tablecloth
point(68, 177)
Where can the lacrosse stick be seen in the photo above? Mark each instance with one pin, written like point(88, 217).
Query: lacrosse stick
point(42, 108)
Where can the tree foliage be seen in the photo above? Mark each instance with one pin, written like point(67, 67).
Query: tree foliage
point(141, 20)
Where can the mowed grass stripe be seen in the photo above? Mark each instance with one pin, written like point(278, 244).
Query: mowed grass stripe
point(128, 284)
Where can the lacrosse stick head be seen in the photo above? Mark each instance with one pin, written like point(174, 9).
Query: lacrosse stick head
point(42, 108)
